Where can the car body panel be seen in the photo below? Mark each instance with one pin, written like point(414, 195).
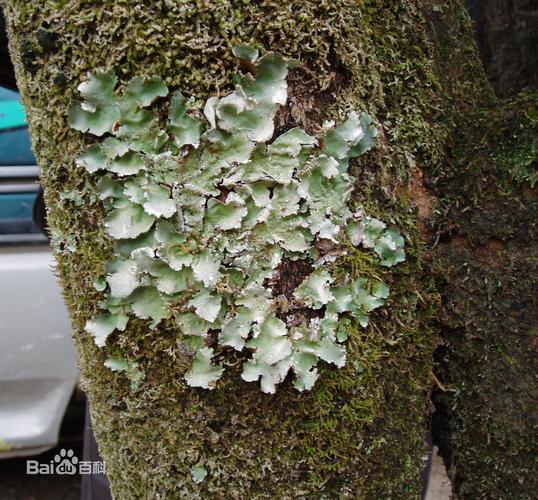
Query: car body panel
point(15, 146)
point(17, 206)
point(37, 357)
point(18, 171)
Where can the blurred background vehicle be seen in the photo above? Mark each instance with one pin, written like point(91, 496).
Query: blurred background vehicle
point(38, 373)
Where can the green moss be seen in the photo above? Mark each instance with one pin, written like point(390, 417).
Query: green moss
point(360, 433)
point(487, 418)
point(514, 139)
point(485, 220)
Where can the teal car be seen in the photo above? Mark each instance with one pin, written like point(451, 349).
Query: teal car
point(18, 173)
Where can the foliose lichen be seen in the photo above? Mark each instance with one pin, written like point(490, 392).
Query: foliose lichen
point(205, 205)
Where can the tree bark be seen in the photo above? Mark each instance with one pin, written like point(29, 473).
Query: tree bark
point(360, 432)
point(486, 422)
point(507, 36)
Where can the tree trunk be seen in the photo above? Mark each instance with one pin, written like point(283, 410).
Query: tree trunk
point(486, 422)
point(360, 431)
point(507, 36)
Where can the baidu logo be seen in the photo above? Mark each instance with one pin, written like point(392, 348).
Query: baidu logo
point(65, 462)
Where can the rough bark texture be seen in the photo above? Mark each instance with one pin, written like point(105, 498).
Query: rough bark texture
point(486, 259)
point(360, 433)
point(507, 35)
point(487, 418)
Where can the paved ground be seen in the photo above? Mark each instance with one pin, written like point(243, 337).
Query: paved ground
point(439, 487)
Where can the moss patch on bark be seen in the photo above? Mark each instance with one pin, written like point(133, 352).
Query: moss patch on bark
point(487, 418)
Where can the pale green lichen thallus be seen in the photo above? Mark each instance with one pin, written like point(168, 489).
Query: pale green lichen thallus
point(206, 206)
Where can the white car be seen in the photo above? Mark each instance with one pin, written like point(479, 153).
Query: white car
point(38, 371)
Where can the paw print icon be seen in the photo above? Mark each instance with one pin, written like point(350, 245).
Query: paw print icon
point(65, 462)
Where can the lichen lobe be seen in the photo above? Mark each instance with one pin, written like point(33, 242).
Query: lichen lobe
point(222, 227)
